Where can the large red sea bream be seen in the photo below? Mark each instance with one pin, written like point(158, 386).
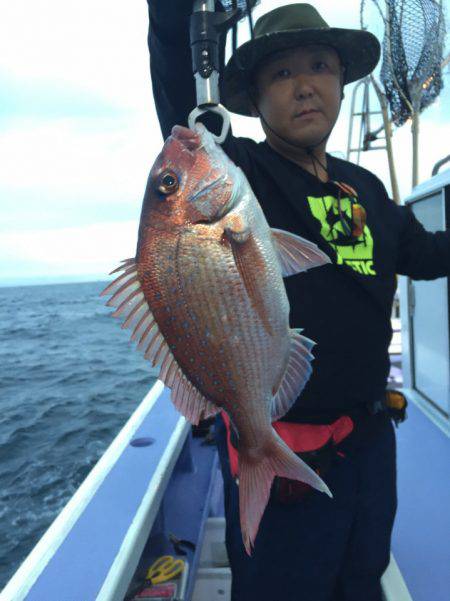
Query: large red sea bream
point(206, 301)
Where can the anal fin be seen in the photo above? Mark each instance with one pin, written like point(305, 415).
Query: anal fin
point(189, 400)
point(298, 371)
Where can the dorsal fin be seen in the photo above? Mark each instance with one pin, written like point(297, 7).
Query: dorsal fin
point(128, 297)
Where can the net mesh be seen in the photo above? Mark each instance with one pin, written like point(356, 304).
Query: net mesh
point(413, 47)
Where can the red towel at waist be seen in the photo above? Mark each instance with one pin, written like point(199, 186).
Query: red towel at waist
point(301, 438)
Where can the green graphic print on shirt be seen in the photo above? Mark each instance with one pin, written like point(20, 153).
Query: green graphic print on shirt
point(357, 253)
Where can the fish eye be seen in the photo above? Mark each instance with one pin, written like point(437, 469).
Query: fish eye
point(167, 182)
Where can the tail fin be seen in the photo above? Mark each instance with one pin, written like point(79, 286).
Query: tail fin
point(255, 481)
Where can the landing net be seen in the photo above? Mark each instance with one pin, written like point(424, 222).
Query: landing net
point(413, 47)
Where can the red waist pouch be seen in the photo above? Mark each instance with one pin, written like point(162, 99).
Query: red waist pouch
point(315, 444)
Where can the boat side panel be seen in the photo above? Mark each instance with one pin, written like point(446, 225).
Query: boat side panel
point(80, 566)
point(185, 509)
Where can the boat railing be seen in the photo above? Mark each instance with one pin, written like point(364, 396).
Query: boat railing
point(95, 543)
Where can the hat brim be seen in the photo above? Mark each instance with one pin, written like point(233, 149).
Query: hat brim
point(359, 51)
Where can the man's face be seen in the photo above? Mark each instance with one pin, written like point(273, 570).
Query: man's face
point(299, 93)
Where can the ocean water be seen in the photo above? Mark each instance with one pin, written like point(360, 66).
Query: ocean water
point(69, 380)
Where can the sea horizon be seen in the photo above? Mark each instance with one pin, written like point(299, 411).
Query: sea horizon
point(50, 280)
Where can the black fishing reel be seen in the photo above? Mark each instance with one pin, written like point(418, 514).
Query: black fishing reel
point(245, 6)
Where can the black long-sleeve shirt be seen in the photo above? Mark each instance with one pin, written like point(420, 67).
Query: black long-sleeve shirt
point(344, 307)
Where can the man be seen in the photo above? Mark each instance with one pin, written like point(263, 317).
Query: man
point(291, 75)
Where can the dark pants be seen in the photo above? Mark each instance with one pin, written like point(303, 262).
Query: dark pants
point(321, 549)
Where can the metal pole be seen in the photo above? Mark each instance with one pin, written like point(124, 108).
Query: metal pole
point(361, 125)
point(383, 103)
point(388, 134)
point(200, 5)
point(352, 112)
point(439, 165)
point(205, 28)
point(415, 137)
point(207, 88)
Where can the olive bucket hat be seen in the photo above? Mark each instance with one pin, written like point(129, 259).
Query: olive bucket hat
point(289, 27)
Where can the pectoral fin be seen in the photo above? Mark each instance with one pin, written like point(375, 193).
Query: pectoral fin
point(295, 253)
point(250, 263)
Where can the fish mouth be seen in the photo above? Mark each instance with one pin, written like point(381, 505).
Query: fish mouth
point(188, 138)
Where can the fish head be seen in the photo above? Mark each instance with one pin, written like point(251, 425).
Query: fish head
point(193, 180)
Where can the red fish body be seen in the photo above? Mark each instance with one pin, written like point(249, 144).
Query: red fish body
point(206, 299)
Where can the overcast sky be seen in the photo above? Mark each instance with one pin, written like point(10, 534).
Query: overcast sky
point(78, 132)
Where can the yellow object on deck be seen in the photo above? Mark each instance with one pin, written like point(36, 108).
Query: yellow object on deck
point(395, 400)
point(165, 568)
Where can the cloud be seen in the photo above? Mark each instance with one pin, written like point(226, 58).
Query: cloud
point(92, 250)
point(79, 132)
point(51, 99)
point(98, 46)
point(70, 170)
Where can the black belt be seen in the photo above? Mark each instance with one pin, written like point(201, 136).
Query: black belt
point(329, 416)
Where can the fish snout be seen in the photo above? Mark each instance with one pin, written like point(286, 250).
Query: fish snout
point(188, 138)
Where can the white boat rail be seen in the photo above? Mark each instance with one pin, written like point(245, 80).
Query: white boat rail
point(117, 563)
